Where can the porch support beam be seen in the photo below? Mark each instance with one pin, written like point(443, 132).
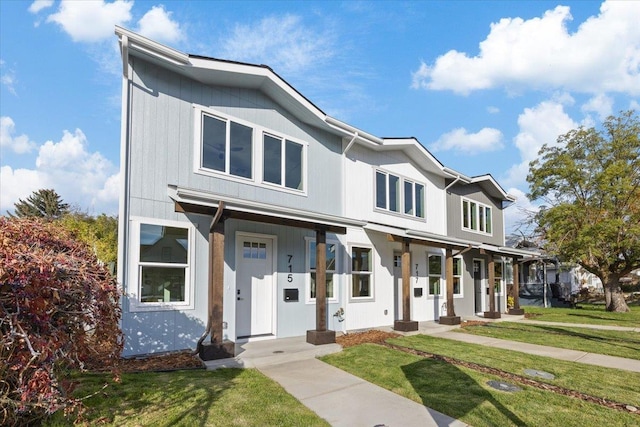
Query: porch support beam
point(406, 324)
point(218, 348)
point(492, 313)
point(516, 289)
point(321, 335)
point(450, 318)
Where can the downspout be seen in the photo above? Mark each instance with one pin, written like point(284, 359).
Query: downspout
point(344, 167)
point(452, 183)
point(123, 204)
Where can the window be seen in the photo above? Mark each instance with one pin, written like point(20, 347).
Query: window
point(396, 194)
point(253, 250)
point(163, 263)
point(227, 146)
point(361, 273)
point(283, 162)
point(331, 248)
point(457, 276)
point(497, 278)
point(434, 266)
point(476, 217)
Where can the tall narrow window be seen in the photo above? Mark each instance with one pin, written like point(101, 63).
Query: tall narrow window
point(498, 277)
point(465, 214)
point(293, 165)
point(435, 274)
point(361, 273)
point(272, 165)
point(227, 146)
point(330, 268)
point(487, 213)
point(408, 197)
point(474, 216)
point(163, 263)
point(394, 193)
point(420, 200)
point(381, 190)
point(457, 276)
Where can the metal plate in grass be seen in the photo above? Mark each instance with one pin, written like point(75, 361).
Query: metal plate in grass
point(502, 386)
point(541, 374)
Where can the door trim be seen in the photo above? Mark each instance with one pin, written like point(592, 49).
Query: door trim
point(241, 235)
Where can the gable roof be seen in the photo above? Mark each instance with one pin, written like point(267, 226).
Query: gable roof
point(213, 71)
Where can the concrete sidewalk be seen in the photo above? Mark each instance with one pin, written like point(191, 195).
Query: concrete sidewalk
point(337, 396)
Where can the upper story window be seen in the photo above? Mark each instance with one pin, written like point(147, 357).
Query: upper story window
point(397, 194)
point(247, 152)
point(476, 217)
point(330, 268)
point(227, 146)
point(283, 162)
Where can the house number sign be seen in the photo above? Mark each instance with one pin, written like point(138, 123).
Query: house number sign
point(290, 275)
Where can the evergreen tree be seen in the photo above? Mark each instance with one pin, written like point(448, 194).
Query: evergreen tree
point(44, 203)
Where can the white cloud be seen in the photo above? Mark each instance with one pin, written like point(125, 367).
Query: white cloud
point(539, 125)
point(493, 110)
point(18, 144)
point(81, 178)
point(157, 25)
point(487, 139)
point(600, 104)
point(91, 21)
point(38, 5)
point(634, 105)
point(284, 42)
point(8, 77)
point(603, 55)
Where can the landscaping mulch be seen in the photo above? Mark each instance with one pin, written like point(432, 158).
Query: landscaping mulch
point(163, 362)
point(372, 336)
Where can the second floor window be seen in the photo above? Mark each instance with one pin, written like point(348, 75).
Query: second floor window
point(227, 146)
point(476, 217)
point(396, 194)
point(283, 162)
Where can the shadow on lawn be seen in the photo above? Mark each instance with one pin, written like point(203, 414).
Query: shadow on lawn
point(186, 396)
point(602, 316)
point(457, 395)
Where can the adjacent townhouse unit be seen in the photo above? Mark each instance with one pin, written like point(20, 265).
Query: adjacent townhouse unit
point(248, 213)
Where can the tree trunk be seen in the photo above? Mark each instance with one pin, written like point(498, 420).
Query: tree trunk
point(614, 297)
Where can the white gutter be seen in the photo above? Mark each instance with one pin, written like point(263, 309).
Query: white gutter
point(355, 136)
point(350, 130)
point(148, 46)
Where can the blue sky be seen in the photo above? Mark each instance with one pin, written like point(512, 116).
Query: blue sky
point(482, 84)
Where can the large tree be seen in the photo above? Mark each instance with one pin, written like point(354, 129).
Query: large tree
point(44, 203)
point(590, 184)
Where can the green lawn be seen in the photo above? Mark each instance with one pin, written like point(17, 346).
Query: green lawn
point(612, 343)
point(225, 397)
point(462, 393)
point(587, 314)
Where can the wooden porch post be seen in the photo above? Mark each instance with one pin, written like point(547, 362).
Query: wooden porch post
point(321, 335)
point(450, 318)
point(406, 324)
point(218, 348)
point(516, 289)
point(492, 313)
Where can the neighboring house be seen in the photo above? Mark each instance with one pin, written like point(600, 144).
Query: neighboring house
point(248, 213)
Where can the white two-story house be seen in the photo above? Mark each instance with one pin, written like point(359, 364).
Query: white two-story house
point(248, 213)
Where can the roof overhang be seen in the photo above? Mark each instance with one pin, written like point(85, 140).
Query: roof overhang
point(205, 203)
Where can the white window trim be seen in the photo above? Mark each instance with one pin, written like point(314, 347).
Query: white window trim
point(283, 176)
point(371, 273)
point(257, 156)
point(133, 285)
point(442, 275)
point(461, 276)
point(401, 205)
point(478, 205)
point(307, 264)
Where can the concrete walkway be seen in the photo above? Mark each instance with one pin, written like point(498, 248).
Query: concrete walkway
point(346, 400)
point(335, 395)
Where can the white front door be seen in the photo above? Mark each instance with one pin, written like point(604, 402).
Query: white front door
point(254, 287)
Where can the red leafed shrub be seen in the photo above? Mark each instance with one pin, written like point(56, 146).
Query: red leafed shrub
point(59, 310)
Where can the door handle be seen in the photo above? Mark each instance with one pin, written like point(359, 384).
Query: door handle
point(240, 299)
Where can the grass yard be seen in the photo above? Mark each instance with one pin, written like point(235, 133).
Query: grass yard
point(612, 343)
point(225, 397)
point(593, 314)
point(462, 392)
